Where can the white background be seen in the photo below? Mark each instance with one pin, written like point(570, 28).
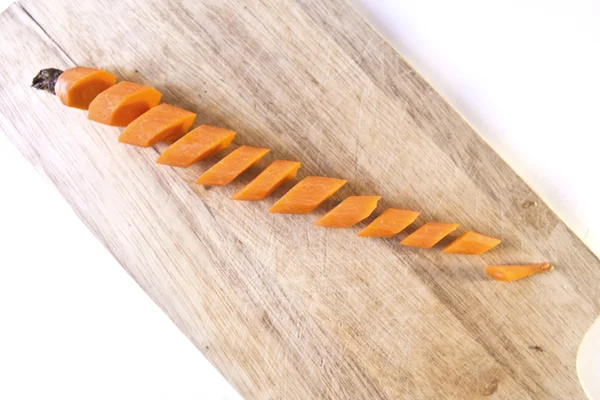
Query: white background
point(74, 325)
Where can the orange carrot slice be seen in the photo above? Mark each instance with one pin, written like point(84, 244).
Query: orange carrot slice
point(389, 223)
point(508, 273)
point(267, 181)
point(122, 103)
point(349, 212)
point(429, 235)
point(199, 143)
point(307, 195)
point(162, 123)
point(471, 243)
point(232, 166)
point(77, 87)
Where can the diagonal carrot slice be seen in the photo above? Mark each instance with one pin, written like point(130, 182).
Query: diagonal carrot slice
point(349, 212)
point(122, 103)
point(160, 124)
point(508, 273)
point(199, 143)
point(232, 166)
point(389, 223)
point(471, 243)
point(77, 87)
point(429, 235)
point(307, 195)
point(267, 181)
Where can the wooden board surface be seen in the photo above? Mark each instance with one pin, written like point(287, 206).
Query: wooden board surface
point(282, 308)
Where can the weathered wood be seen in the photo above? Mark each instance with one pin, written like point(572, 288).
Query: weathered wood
point(282, 308)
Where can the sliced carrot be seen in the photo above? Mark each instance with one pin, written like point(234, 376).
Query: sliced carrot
point(122, 103)
point(77, 87)
point(162, 123)
point(232, 166)
point(307, 195)
point(349, 212)
point(507, 273)
point(267, 181)
point(471, 243)
point(429, 235)
point(199, 143)
point(389, 223)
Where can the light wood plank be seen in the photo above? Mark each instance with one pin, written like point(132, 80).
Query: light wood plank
point(282, 308)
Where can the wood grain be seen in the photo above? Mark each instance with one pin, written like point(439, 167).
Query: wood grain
point(282, 308)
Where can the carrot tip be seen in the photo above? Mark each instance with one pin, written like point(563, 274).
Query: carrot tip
point(509, 273)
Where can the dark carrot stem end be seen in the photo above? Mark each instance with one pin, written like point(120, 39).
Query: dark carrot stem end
point(46, 79)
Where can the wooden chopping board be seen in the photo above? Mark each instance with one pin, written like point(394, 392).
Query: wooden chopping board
point(286, 310)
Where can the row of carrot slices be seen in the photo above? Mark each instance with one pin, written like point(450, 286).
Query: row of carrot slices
point(136, 107)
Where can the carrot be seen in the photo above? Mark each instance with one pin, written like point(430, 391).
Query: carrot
point(232, 166)
point(46, 79)
point(389, 223)
point(162, 123)
point(471, 243)
point(429, 235)
point(267, 181)
point(349, 212)
point(122, 103)
point(77, 87)
point(508, 273)
point(198, 144)
point(307, 195)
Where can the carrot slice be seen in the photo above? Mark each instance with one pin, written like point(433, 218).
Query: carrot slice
point(159, 124)
point(307, 195)
point(508, 273)
point(389, 223)
point(267, 181)
point(349, 212)
point(232, 166)
point(471, 243)
point(199, 143)
point(122, 103)
point(429, 235)
point(77, 87)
